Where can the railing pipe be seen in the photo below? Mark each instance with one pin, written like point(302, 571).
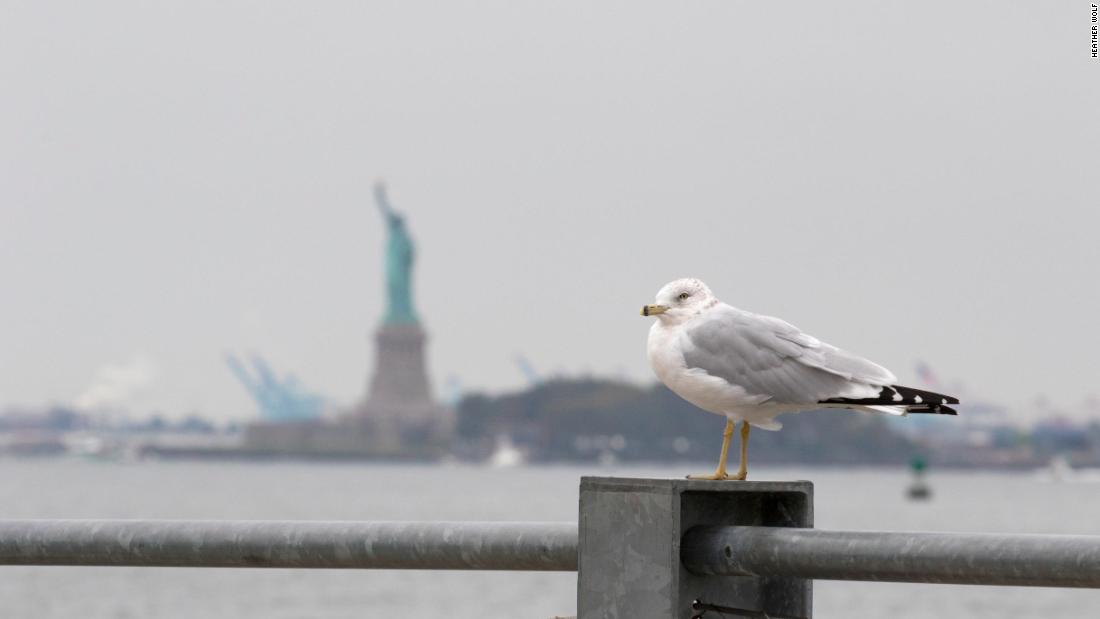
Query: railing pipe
point(949, 558)
point(958, 558)
point(534, 546)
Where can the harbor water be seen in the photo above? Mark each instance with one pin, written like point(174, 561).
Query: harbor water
point(845, 499)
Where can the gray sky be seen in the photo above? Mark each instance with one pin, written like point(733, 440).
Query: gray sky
point(907, 180)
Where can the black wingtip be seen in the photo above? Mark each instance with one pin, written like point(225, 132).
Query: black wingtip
point(914, 400)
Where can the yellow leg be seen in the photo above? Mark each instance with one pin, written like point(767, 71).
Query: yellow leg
point(743, 470)
point(720, 472)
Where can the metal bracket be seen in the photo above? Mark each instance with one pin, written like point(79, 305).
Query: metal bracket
point(629, 546)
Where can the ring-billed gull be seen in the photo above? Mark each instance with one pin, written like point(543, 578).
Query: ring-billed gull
point(750, 368)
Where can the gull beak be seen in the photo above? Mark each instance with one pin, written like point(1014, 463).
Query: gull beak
point(653, 310)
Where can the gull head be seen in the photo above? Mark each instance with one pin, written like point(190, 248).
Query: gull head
point(680, 300)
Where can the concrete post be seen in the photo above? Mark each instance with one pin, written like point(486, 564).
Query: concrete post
point(629, 546)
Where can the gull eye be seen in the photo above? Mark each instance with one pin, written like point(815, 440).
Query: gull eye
point(683, 296)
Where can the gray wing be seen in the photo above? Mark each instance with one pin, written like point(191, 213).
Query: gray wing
point(767, 356)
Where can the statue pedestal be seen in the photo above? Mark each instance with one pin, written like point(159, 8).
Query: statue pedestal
point(399, 409)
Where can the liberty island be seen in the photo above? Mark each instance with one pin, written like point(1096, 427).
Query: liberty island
point(398, 417)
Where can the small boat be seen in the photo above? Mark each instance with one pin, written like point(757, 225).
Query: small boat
point(506, 455)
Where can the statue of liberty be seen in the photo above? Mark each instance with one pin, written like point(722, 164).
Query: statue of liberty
point(400, 254)
point(399, 413)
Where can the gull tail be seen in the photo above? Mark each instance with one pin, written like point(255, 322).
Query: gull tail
point(895, 399)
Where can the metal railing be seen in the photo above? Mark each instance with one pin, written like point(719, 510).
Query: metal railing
point(947, 558)
point(536, 546)
point(643, 548)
